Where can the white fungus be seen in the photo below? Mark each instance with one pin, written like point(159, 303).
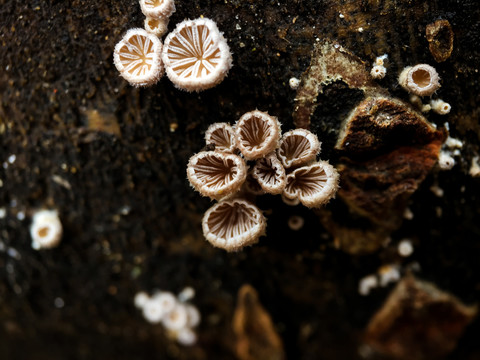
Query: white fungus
point(186, 336)
point(440, 107)
point(153, 311)
point(405, 248)
point(378, 72)
point(294, 83)
point(445, 161)
point(176, 319)
point(186, 294)
point(46, 229)
point(166, 300)
point(141, 299)
point(366, 284)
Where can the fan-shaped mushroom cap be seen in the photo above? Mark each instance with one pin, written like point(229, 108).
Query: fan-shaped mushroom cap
point(233, 224)
point(257, 134)
point(313, 184)
point(156, 26)
point(270, 174)
point(298, 147)
point(216, 174)
point(196, 55)
point(157, 8)
point(138, 57)
point(222, 136)
point(421, 79)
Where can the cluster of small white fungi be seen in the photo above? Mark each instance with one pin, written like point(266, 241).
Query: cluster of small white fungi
point(176, 315)
point(280, 165)
point(385, 275)
point(379, 70)
point(195, 55)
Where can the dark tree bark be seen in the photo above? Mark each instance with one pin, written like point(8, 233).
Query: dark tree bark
point(112, 158)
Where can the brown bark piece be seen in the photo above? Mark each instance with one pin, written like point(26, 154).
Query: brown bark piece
point(440, 39)
point(418, 321)
point(257, 338)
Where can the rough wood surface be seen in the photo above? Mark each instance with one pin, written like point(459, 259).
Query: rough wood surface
point(111, 158)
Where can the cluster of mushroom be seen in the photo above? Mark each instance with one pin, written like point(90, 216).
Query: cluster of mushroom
point(177, 316)
point(285, 165)
point(195, 55)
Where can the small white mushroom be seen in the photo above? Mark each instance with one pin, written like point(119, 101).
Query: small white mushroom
point(46, 229)
point(421, 79)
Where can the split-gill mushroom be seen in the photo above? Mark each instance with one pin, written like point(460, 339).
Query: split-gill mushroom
point(258, 134)
point(157, 8)
point(421, 79)
point(138, 57)
point(215, 174)
point(270, 174)
point(156, 26)
point(314, 185)
point(233, 224)
point(222, 136)
point(196, 55)
point(298, 147)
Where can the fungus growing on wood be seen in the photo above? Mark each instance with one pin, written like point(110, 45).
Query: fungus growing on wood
point(257, 133)
point(196, 55)
point(421, 79)
point(156, 26)
point(440, 107)
point(157, 8)
point(298, 147)
point(270, 174)
point(138, 57)
point(46, 229)
point(314, 185)
point(378, 72)
point(222, 136)
point(233, 224)
point(216, 174)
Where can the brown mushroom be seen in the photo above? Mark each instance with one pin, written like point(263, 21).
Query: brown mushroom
point(314, 185)
point(233, 224)
point(298, 147)
point(257, 134)
point(215, 174)
point(222, 136)
point(270, 174)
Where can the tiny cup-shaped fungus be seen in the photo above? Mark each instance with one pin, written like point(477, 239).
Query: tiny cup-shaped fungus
point(138, 57)
point(421, 79)
point(314, 185)
point(270, 174)
point(156, 26)
point(157, 8)
point(196, 55)
point(222, 136)
point(46, 229)
point(257, 133)
point(298, 147)
point(440, 107)
point(216, 174)
point(233, 224)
